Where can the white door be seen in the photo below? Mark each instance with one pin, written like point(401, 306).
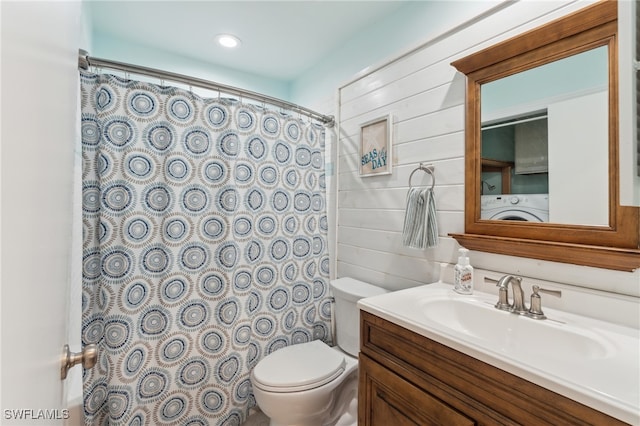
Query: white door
point(38, 130)
point(578, 135)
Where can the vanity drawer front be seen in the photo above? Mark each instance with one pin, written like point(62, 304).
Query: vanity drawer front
point(391, 400)
point(471, 387)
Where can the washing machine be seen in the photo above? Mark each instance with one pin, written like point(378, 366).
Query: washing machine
point(522, 207)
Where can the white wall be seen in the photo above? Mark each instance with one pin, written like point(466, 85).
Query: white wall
point(113, 48)
point(39, 100)
point(425, 94)
point(407, 27)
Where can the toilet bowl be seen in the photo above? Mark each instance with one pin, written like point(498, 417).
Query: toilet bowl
point(297, 384)
point(313, 384)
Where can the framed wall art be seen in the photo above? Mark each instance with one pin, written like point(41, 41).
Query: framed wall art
point(375, 147)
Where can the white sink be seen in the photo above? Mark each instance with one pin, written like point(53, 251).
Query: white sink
point(591, 361)
point(515, 334)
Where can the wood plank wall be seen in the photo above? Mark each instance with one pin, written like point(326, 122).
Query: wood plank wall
point(425, 95)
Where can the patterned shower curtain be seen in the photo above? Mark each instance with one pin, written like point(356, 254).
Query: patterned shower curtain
point(204, 249)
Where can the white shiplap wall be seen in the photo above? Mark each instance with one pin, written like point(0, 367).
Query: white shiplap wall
point(425, 96)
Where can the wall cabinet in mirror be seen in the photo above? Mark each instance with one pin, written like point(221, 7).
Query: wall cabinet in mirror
point(549, 97)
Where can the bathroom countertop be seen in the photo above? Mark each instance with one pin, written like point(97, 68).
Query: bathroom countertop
point(610, 383)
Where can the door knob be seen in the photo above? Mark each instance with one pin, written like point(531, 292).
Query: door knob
point(87, 357)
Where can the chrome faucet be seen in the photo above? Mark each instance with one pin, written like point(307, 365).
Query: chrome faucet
point(518, 306)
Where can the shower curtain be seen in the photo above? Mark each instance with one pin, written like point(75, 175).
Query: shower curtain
point(204, 249)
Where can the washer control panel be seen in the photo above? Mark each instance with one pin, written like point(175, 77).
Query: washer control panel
point(502, 200)
point(537, 201)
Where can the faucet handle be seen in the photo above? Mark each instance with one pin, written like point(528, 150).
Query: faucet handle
point(537, 289)
point(535, 311)
point(503, 299)
point(503, 294)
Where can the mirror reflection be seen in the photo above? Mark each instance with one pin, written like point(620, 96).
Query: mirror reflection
point(545, 143)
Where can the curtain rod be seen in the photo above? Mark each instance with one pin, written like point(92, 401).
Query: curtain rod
point(85, 61)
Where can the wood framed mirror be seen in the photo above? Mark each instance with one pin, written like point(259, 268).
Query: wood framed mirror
point(575, 166)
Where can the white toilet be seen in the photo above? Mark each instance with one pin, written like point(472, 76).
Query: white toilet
point(312, 383)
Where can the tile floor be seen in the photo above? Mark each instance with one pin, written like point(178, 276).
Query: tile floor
point(350, 418)
point(257, 419)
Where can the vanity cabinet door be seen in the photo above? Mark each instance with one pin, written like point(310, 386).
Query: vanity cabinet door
point(388, 399)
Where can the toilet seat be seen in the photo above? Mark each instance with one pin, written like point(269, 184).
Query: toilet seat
point(298, 367)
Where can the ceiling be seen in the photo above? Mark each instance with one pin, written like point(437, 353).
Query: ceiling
point(280, 39)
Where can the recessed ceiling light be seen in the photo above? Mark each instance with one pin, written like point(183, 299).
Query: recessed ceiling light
point(227, 40)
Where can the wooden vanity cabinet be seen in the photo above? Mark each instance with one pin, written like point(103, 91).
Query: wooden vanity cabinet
point(408, 379)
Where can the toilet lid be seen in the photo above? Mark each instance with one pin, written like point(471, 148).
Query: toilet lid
point(299, 367)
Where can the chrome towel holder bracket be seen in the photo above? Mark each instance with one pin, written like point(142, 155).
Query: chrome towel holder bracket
point(427, 168)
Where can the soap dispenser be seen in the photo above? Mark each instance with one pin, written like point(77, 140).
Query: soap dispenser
point(463, 274)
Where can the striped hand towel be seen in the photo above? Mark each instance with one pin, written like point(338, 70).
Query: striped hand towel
point(420, 225)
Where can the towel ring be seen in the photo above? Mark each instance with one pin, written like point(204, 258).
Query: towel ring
point(427, 169)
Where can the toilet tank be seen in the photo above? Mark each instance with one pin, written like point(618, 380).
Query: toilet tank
point(347, 292)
